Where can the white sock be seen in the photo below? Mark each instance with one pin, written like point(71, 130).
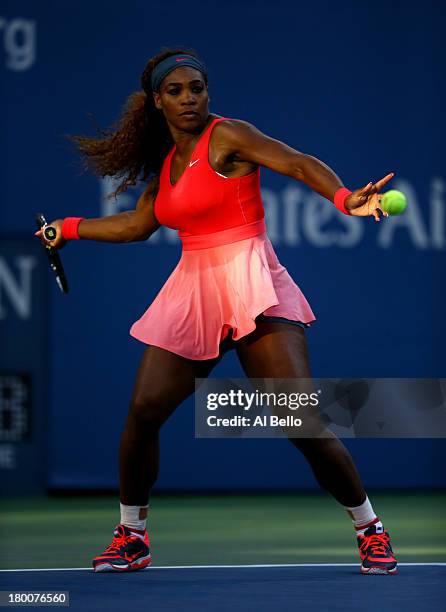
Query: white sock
point(134, 517)
point(363, 517)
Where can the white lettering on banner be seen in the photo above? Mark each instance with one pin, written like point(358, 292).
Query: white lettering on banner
point(18, 290)
point(292, 197)
point(19, 42)
point(272, 214)
point(7, 457)
point(437, 209)
point(318, 214)
point(14, 408)
point(297, 217)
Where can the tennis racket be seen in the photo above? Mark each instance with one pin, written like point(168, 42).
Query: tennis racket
point(53, 255)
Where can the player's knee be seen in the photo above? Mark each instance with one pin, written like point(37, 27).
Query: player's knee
point(147, 411)
point(325, 446)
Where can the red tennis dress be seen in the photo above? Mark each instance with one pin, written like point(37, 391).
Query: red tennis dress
point(228, 272)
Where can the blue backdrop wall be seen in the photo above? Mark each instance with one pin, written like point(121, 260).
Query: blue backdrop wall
point(358, 85)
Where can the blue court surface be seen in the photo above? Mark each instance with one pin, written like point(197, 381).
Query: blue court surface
point(322, 587)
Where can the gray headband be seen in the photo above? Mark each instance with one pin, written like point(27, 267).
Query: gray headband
point(162, 69)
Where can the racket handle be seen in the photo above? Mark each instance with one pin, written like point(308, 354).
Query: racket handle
point(50, 232)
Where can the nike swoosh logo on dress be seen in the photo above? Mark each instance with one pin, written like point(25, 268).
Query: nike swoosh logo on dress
point(192, 163)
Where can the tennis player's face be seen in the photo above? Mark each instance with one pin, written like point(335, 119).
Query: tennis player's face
point(183, 98)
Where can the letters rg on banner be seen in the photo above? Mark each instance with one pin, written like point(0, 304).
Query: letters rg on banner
point(18, 43)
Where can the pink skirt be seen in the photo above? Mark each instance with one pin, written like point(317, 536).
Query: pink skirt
point(215, 288)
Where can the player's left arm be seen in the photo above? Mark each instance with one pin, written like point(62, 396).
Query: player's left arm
point(247, 143)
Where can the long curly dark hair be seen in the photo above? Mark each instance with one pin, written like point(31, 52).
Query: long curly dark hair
point(135, 146)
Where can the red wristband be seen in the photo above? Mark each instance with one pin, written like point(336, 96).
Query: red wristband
point(339, 199)
point(70, 228)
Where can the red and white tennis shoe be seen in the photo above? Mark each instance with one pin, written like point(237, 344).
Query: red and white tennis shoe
point(376, 552)
point(126, 553)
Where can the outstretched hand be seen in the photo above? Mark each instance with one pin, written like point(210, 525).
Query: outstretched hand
point(59, 242)
point(366, 201)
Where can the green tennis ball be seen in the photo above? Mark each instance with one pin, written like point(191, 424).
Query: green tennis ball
point(394, 202)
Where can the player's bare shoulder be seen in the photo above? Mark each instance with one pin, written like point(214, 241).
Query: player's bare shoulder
point(232, 133)
point(232, 136)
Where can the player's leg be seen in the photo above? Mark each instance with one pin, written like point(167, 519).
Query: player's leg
point(163, 381)
point(279, 350)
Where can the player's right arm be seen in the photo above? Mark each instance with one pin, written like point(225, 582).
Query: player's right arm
point(129, 226)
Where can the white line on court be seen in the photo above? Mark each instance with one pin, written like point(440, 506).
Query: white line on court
point(173, 567)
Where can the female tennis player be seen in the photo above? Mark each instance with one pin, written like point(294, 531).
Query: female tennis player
point(228, 291)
